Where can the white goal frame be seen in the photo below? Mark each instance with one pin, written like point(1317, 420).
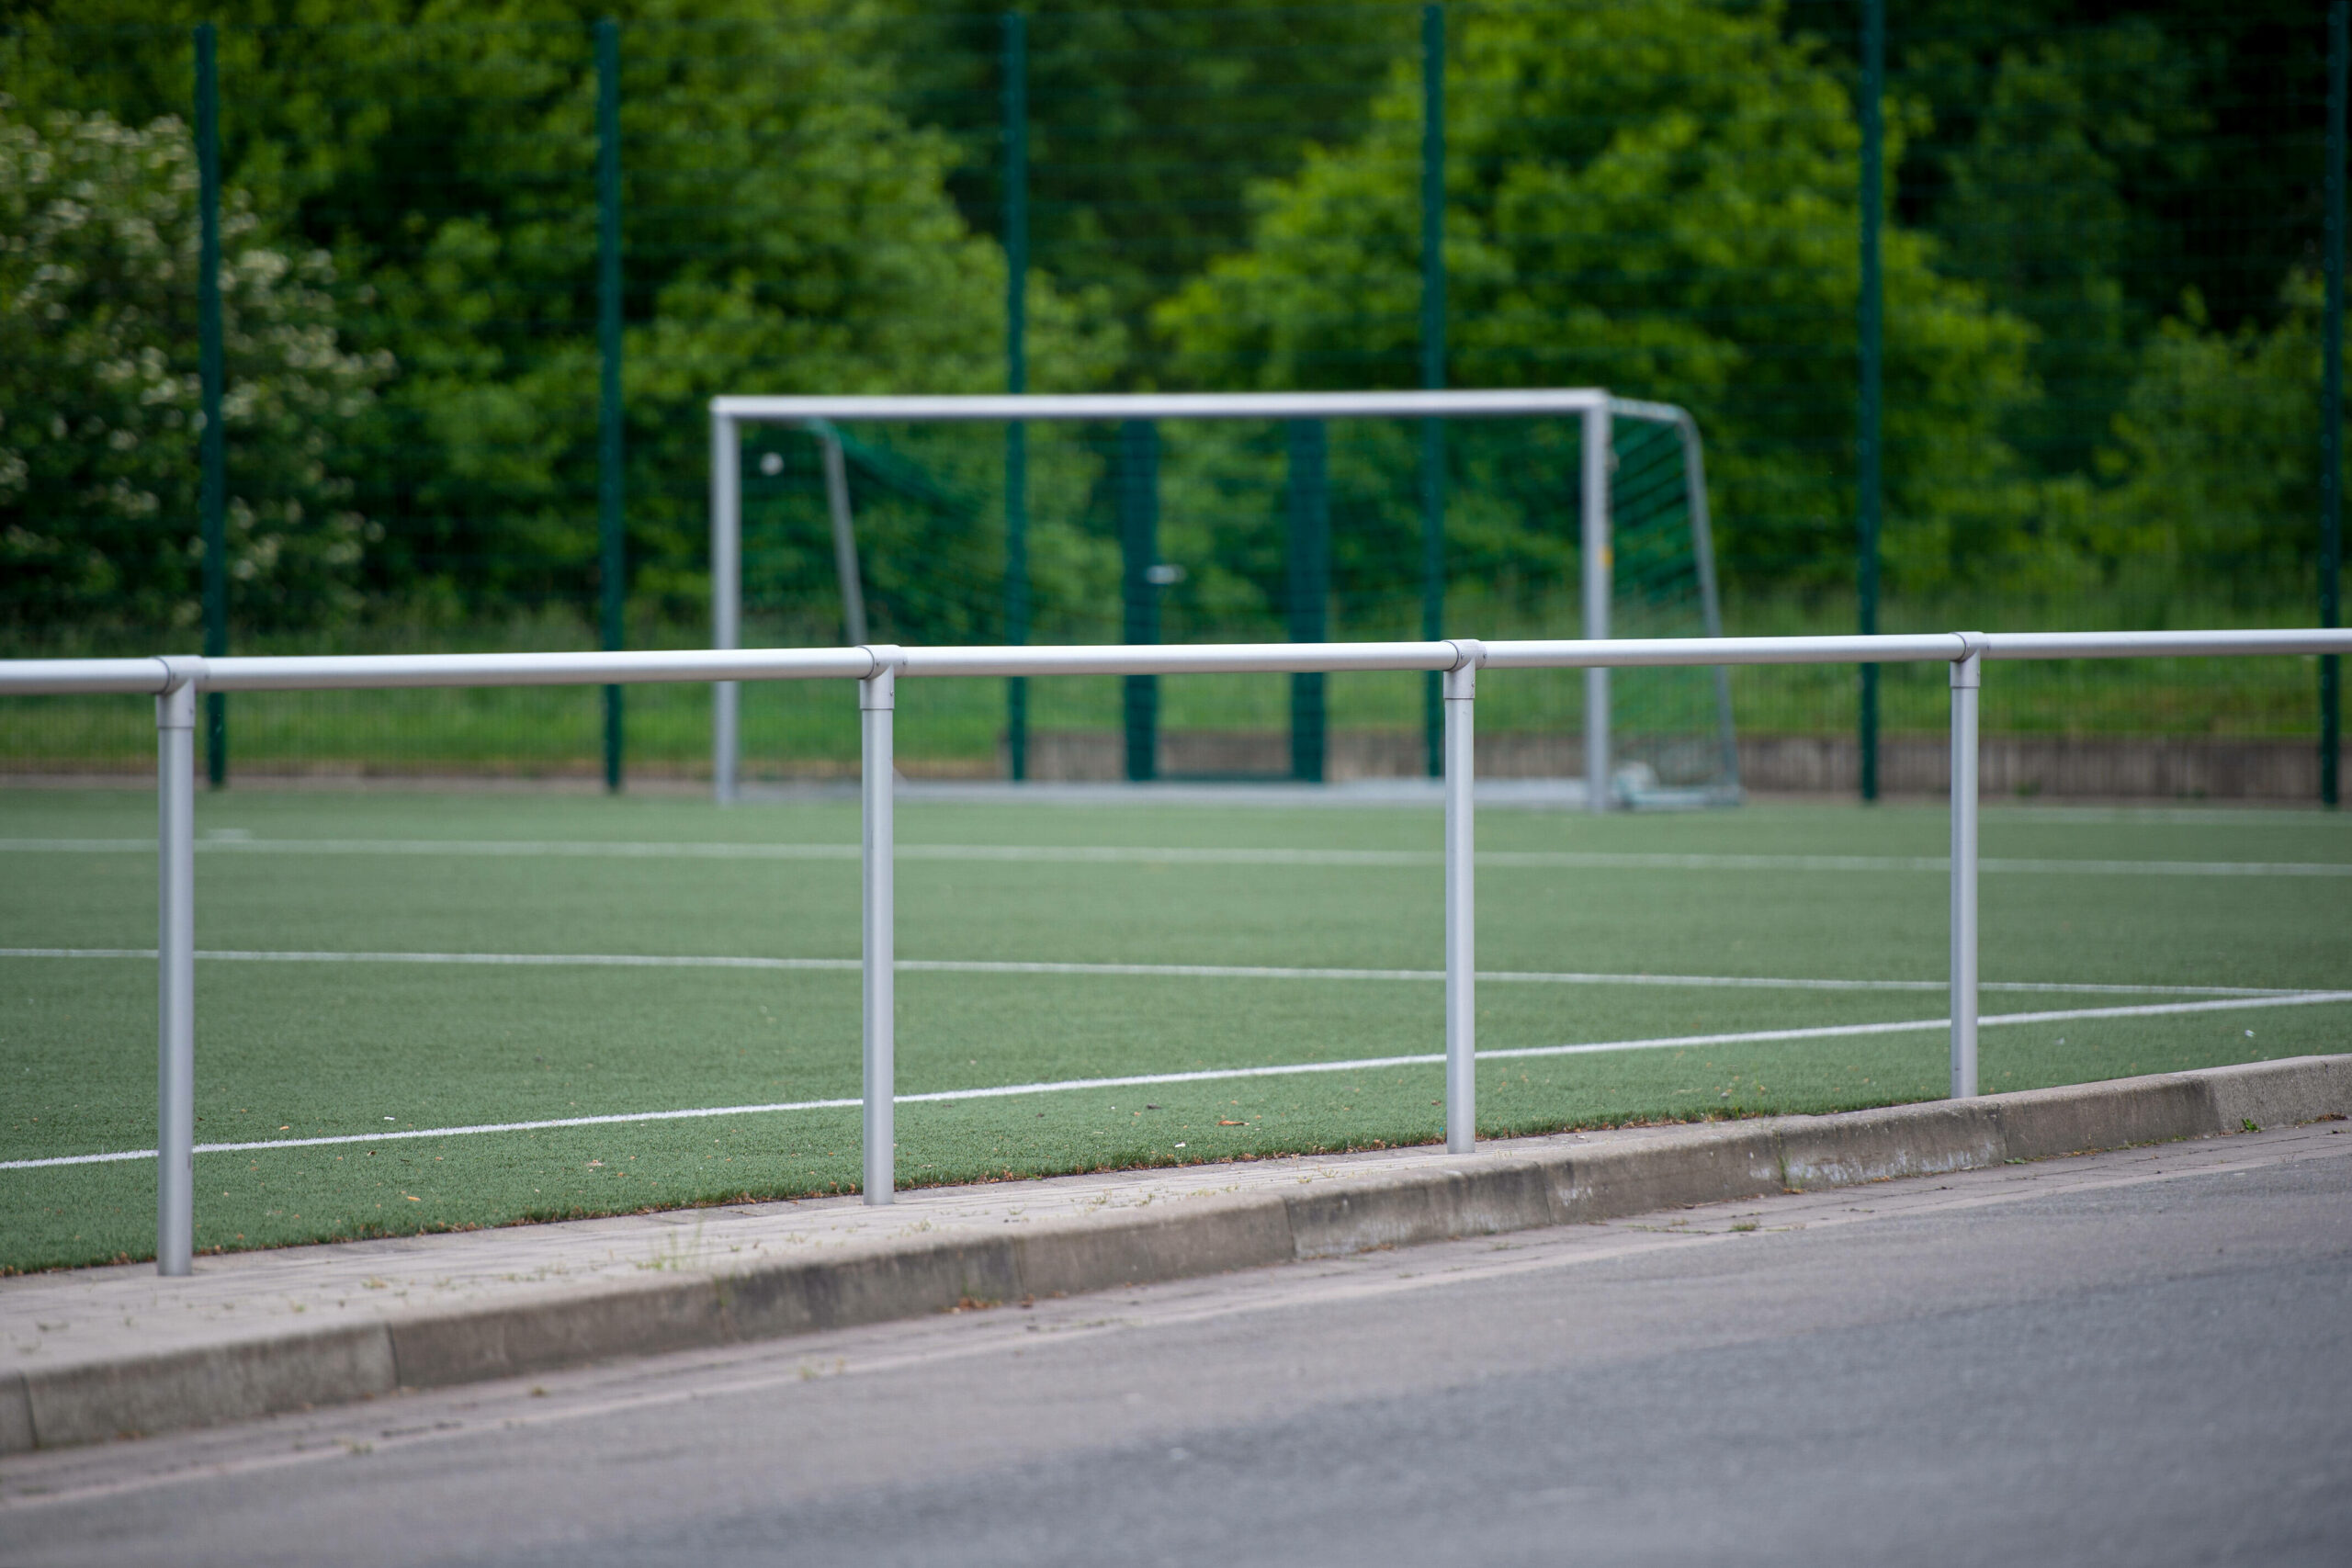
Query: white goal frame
point(1594, 406)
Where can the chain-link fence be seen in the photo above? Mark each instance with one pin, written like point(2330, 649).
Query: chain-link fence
point(479, 272)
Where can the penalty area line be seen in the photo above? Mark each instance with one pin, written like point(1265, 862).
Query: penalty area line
point(1217, 1075)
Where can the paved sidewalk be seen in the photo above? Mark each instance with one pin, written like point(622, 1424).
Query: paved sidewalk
point(90, 1354)
point(71, 1317)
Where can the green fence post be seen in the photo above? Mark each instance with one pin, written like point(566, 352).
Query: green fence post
point(2331, 434)
point(1432, 376)
point(1871, 324)
point(612, 561)
point(213, 444)
point(1307, 590)
point(1016, 380)
point(1138, 490)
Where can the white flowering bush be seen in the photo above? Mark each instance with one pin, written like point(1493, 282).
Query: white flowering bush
point(100, 407)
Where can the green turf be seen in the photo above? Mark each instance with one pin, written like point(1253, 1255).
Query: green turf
point(289, 1051)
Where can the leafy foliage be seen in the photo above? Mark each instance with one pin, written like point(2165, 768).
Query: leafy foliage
point(100, 406)
point(2211, 478)
point(785, 230)
point(1655, 196)
point(1144, 123)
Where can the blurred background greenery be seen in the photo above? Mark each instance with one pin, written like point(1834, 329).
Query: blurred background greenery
point(2102, 260)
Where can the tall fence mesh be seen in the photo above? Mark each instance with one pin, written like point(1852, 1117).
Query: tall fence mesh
point(2103, 268)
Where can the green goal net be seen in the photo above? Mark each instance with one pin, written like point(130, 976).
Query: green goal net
point(925, 530)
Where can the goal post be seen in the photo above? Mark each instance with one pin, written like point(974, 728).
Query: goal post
point(1692, 452)
point(1629, 455)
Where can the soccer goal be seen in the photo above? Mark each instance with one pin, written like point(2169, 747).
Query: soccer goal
point(1144, 518)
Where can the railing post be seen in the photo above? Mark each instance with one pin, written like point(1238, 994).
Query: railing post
point(176, 974)
point(1461, 907)
point(726, 595)
point(1595, 546)
point(1967, 678)
point(876, 695)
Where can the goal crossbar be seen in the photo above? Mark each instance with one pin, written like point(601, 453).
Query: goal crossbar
point(1093, 406)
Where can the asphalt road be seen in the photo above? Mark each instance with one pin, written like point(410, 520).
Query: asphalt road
point(2136, 1358)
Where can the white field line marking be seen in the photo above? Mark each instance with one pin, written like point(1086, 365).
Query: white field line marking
point(1147, 971)
point(1214, 1075)
point(1501, 860)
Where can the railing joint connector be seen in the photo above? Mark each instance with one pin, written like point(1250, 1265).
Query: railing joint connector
point(175, 699)
point(877, 687)
point(1968, 670)
point(1462, 675)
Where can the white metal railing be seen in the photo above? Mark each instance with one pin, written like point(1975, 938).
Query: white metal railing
point(174, 680)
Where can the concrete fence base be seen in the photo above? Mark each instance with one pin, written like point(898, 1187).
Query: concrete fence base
point(2012, 767)
point(2121, 766)
point(2029, 765)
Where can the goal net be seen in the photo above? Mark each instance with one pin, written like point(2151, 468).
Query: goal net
point(1241, 518)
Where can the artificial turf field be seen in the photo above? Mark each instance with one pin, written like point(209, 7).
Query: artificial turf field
point(341, 1044)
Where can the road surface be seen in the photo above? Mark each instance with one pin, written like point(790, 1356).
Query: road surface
point(2134, 1358)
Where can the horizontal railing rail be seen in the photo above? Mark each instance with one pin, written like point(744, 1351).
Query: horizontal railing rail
point(153, 676)
point(174, 680)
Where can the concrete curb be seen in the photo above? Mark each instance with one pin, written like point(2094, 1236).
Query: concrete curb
point(987, 1252)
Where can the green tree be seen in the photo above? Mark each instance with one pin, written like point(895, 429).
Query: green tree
point(2175, 143)
point(1146, 124)
point(2056, 157)
point(1655, 196)
point(99, 400)
point(2211, 479)
point(785, 230)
